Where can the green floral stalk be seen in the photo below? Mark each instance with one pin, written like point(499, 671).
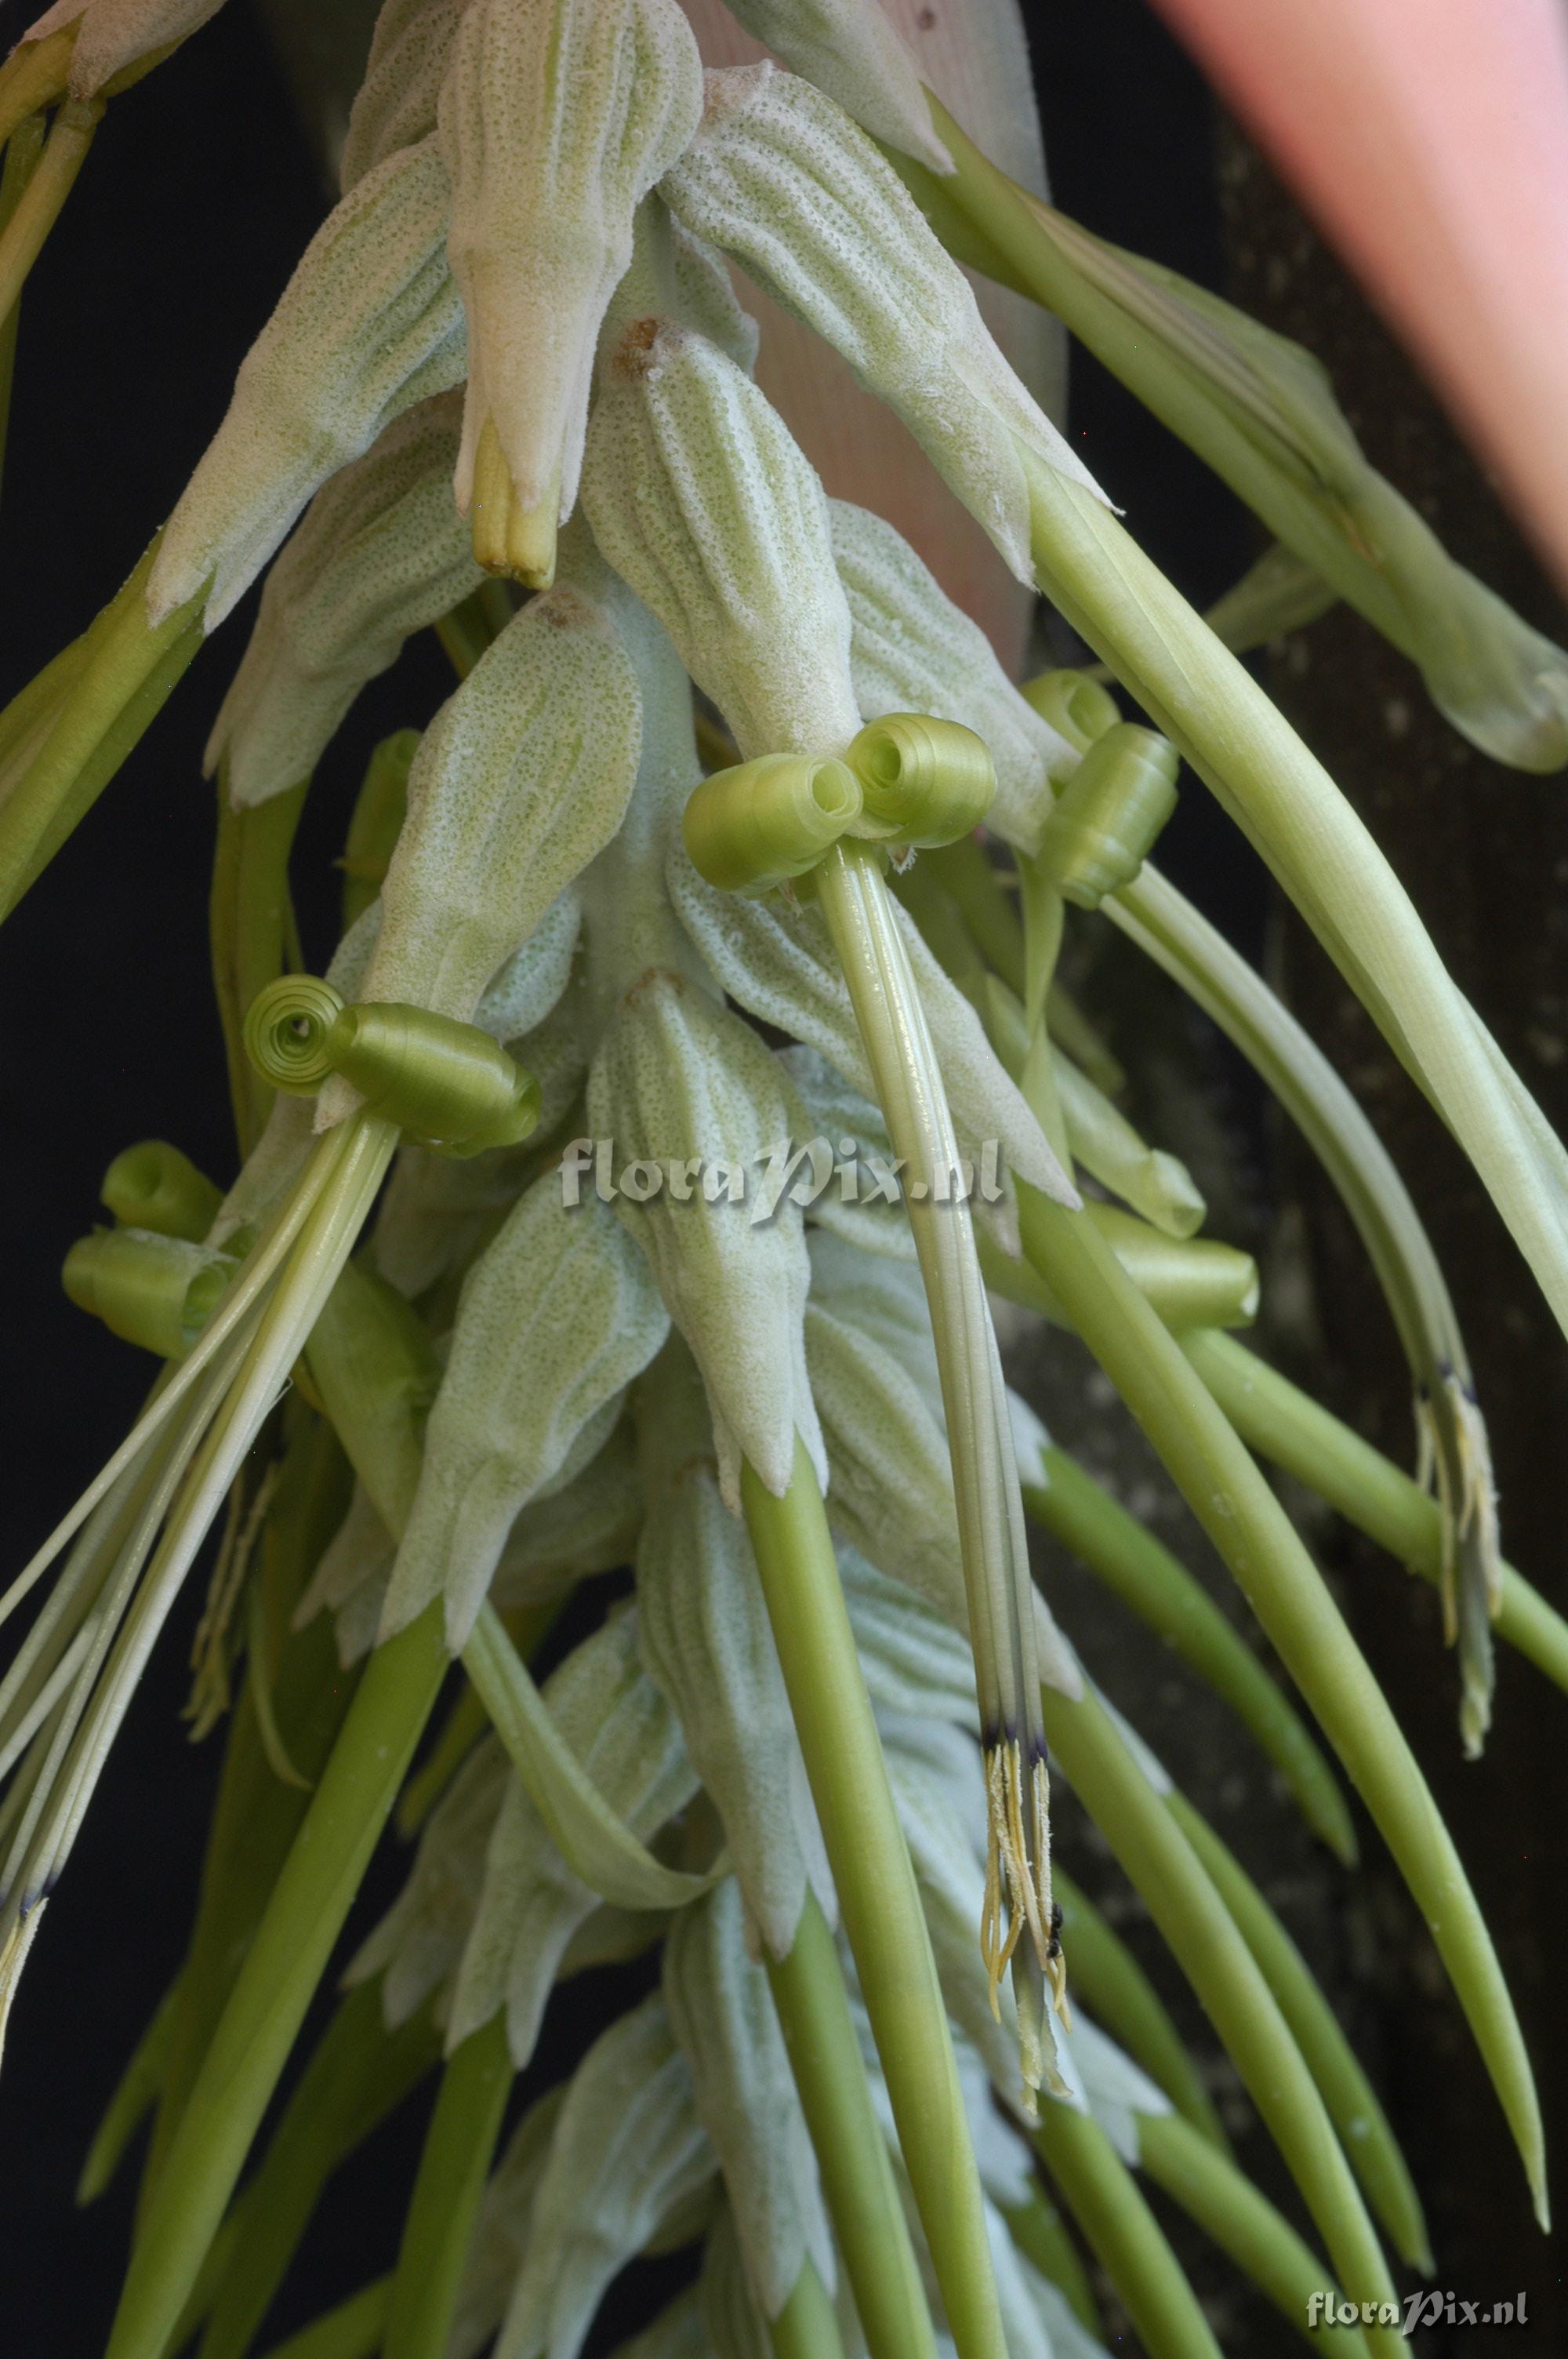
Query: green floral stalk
point(274, 1987)
point(1123, 1553)
point(1363, 2126)
point(358, 2075)
point(1115, 1790)
point(1247, 1524)
point(1452, 1435)
point(352, 2330)
point(1123, 2234)
point(112, 690)
point(877, 1893)
point(445, 2203)
point(992, 1538)
point(861, 2193)
point(1223, 2202)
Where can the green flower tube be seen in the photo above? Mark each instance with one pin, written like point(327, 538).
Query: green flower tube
point(359, 2074)
point(1224, 2204)
point(877, 1893)
point(1352, 2103)
point(857, 2182)
point(283, 1967)
point(1124, 2002)
point(352, 2330)
point(1124, 1554)
point(126, 670)
point(1126, 2239)
point(1165, 1872)
point(1222, 1485)
point(444, 2206)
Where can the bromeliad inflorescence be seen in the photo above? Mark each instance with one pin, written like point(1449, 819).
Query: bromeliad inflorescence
point(734, 837)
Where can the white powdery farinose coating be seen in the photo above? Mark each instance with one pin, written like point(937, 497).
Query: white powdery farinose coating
point(395, 104)
point(118, 33)
point(628, 2149)
point(615, 1719)
point(555, 1320)
point(591, 1526)
point(914, 1660)
point(721, 2011)
point(851, 50)
point(706, 1637)
point(780, 178)
point(370, 323)
point(702, 500)
point(678, 1081)
point(913, 651)
point(891, 1488)
point(380, 552)
point(418, 1943)
point(522, 775)
point(556, 117)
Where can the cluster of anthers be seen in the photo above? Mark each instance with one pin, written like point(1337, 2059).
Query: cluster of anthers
point(508, 395)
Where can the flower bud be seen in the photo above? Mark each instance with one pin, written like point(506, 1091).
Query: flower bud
point(395, 103)
point(852, 50)
point(628, 2147)
point(780, 179)
point(701, 499)
point(112, 35)
point(556, 117)
point(380, 552)
point(555, 1320)
point(693, 1101)
point(418, 1943)
point(370, 323)
point(590, 1525)
point(612, 1717)
point(721, 2011)
point(705, 1635)
point(522, 775)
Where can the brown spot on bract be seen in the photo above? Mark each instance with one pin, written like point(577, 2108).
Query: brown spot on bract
point(564, 609)
point(634, 355)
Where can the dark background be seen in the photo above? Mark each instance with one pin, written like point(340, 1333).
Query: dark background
point(194, 205)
